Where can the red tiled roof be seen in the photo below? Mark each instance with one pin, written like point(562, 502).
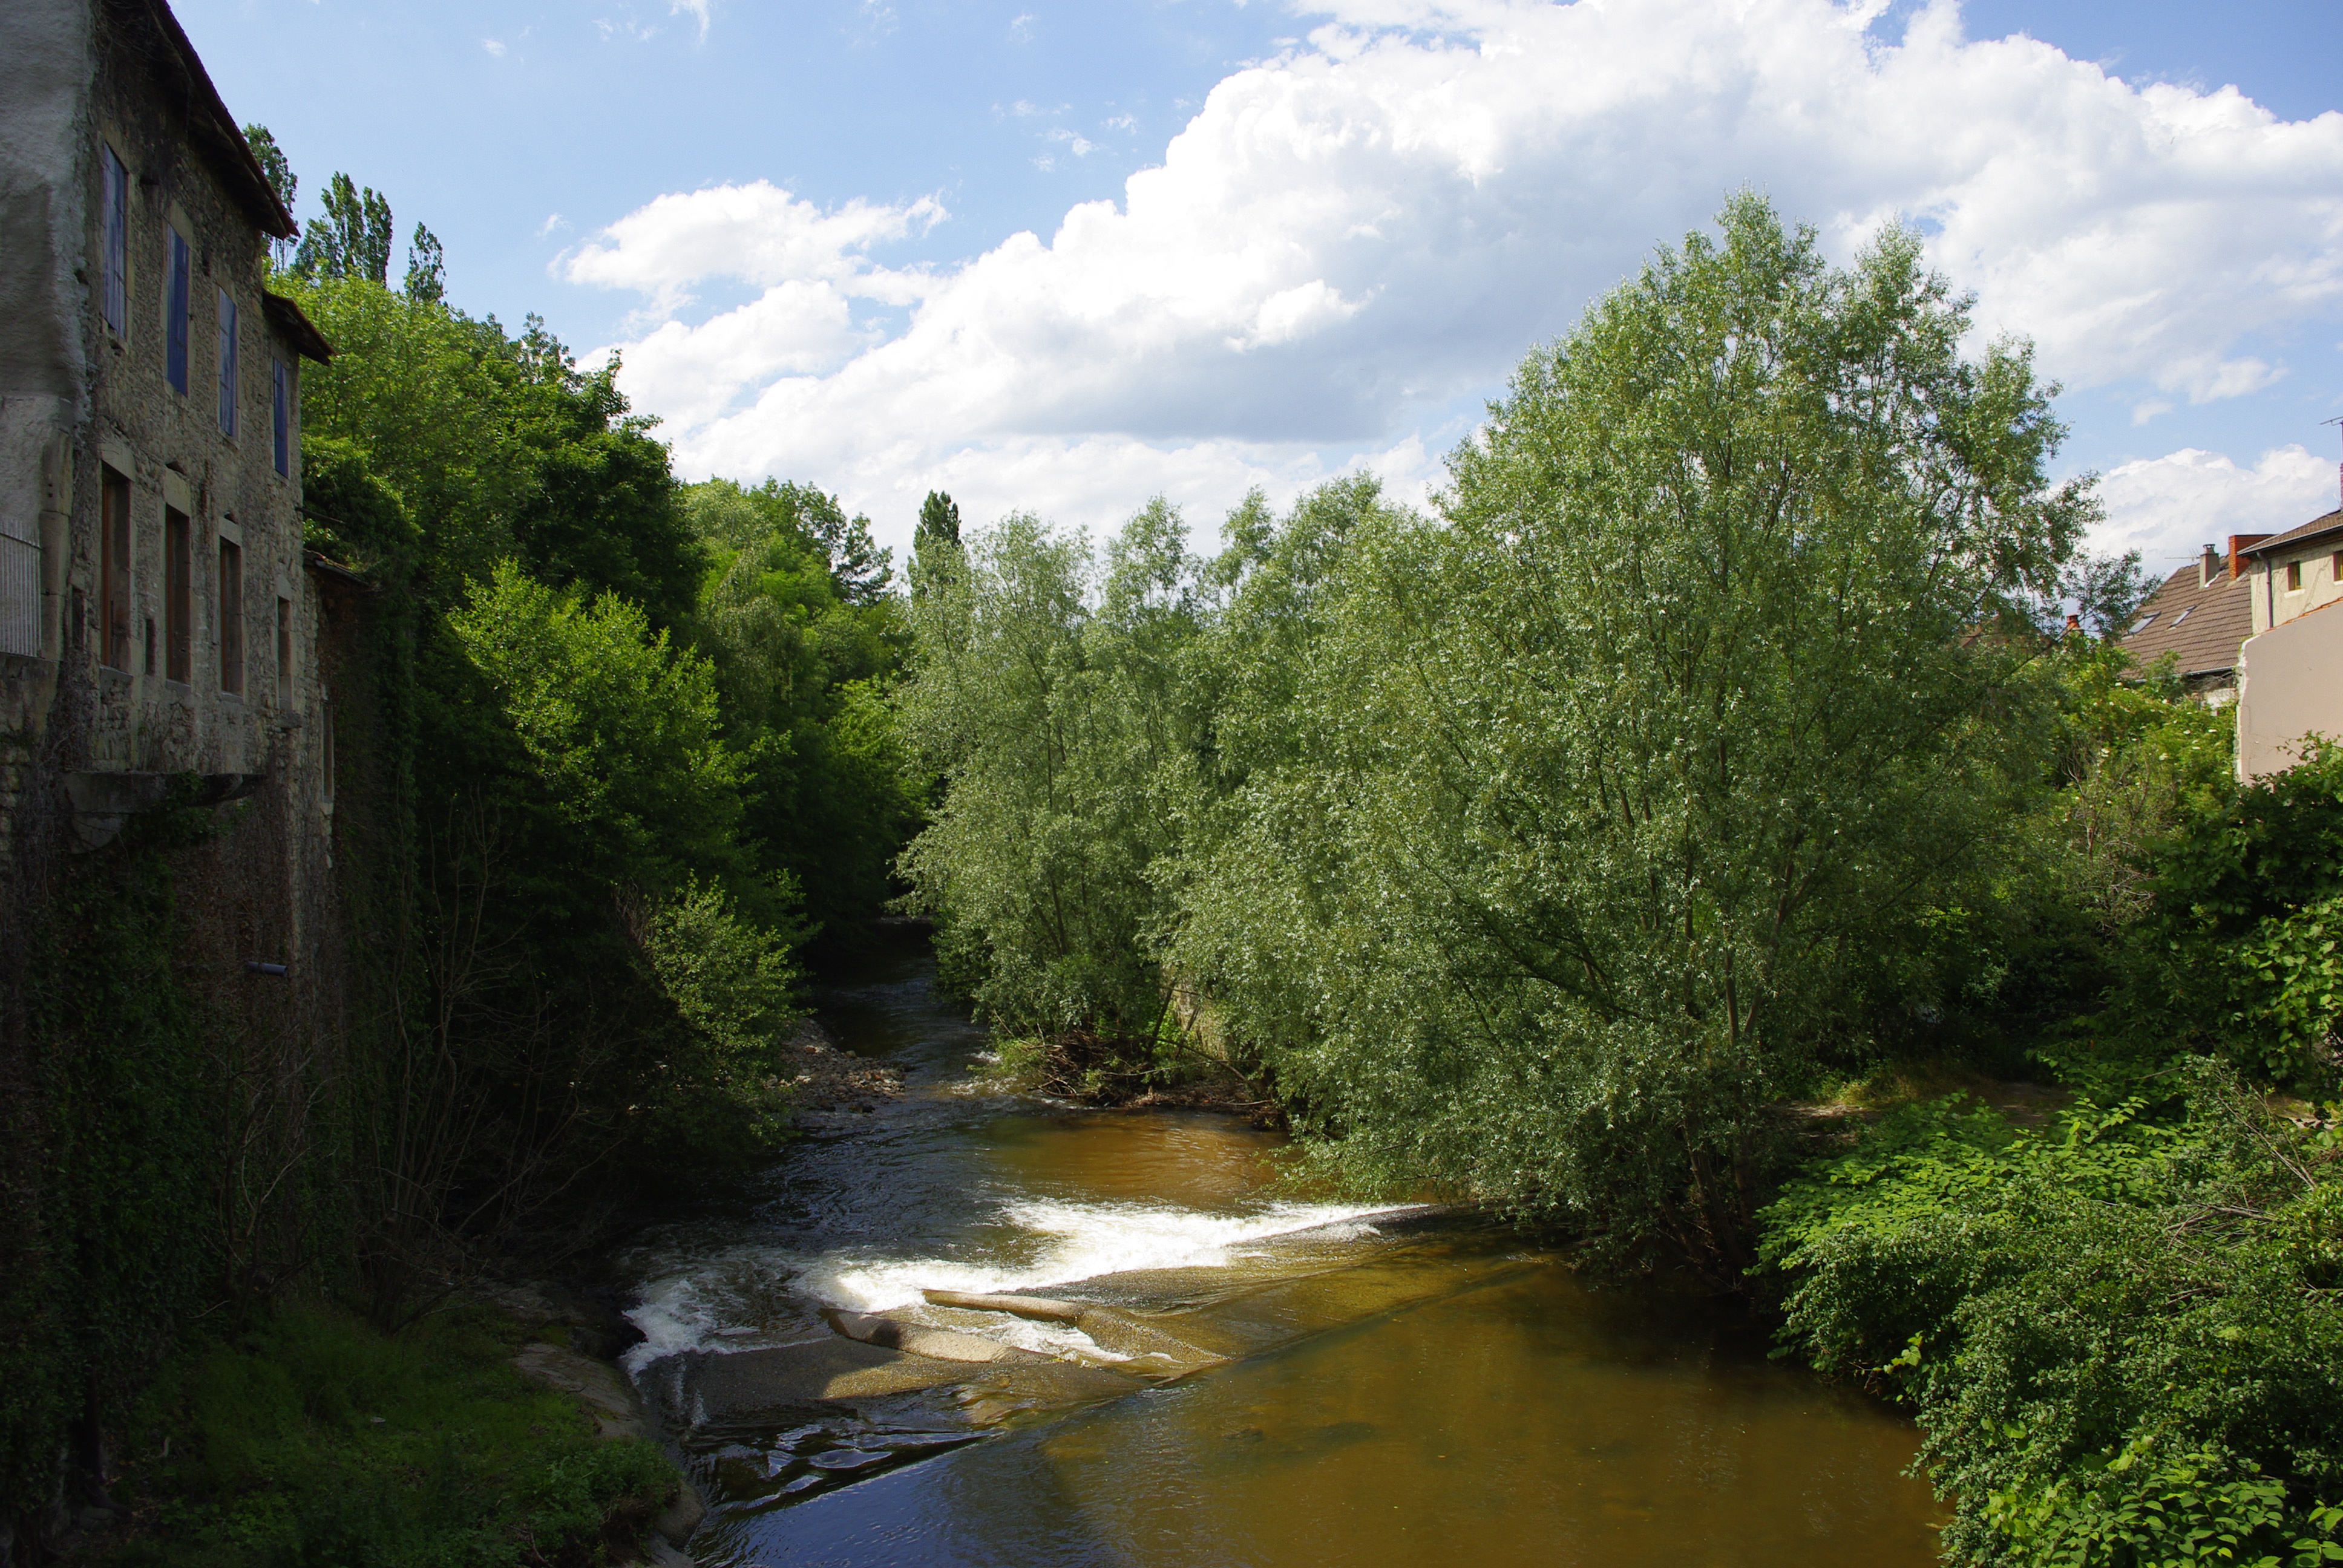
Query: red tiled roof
point(2203, 625)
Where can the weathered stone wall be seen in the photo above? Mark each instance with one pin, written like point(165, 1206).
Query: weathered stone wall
point(89, 731)
point(81, 399)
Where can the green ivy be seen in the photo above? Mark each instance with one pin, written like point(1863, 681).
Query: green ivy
point(120, 1244)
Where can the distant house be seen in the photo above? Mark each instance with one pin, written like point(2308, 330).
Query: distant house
point(2199, 616)
point(2290, 682)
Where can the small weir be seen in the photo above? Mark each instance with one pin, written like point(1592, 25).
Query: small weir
point(970, 1328)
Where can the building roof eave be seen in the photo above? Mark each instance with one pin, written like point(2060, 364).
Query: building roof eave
point(216, 133)
point(289, 318)
point(2317, 528)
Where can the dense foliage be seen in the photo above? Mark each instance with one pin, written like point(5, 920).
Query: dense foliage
point(1711, 770)
point(645, 756)
point(2121, 1332)
point(1540, 848)
point(309, 1441)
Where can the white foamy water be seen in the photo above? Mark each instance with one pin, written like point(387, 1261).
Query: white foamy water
point(742, 1298)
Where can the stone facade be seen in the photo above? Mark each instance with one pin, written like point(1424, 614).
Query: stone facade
point(157, 618)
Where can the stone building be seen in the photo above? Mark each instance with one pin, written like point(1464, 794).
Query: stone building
point(157, 618)
point(161, 638)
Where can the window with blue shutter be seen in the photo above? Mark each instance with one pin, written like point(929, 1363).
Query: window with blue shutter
point(226, 366)
point(280, 417)
point(174, 315)
point(114, 282)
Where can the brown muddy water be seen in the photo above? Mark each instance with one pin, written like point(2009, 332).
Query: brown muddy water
point(1254, 1381)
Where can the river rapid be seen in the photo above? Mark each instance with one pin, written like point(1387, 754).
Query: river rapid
point(1252, 1380)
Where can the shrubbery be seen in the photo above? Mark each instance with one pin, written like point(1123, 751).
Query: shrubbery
point(2120, 1332)
point(309, 1441)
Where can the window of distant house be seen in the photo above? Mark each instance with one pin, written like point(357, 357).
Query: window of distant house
point(227, 324)
point(2183, 614)
point(175, 287)
point(280, 417)
point(114, 266)
point(284, 653)
point(178, 598)
point(114, 571)
point(2146, 620)
point(231, 617)
point(2293, 576)
point(2335, 569)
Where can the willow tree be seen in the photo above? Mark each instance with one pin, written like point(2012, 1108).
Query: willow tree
point(1051, 694)
point(1605, 793)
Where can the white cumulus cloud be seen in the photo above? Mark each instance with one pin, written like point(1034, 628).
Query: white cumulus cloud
point(1345, 239)
point(2170, 508)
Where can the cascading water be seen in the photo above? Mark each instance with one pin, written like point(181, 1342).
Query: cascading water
point(1229, 1376)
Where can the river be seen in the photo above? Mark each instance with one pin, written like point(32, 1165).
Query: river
point(1255, 1381)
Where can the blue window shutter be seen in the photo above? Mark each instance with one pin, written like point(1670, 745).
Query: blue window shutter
point(280, 418)
point(228, 339)
point(174, 348)
point(114, 295)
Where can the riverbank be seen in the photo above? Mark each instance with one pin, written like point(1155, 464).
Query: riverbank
point(482, 1435)
point(1220, 1371)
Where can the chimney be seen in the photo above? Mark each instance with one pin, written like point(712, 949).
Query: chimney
point(2238, 545)
point(2208, 566)
point(2074, 623)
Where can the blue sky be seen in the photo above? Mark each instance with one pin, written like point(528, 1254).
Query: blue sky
point(830, 288)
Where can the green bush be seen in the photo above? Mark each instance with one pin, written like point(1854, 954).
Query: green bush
point(2120, 1333)
point(2240, 951)
point(311, 1441)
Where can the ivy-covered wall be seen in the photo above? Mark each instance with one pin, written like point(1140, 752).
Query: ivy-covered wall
point(184, 1028)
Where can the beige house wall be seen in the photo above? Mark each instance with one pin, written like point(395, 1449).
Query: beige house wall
point(2289, 686)
point(2274, 604)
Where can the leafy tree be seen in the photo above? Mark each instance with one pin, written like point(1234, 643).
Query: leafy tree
point(1601, 788)
point(504, 445)
point(281, 179)
point(2107, 592)
point(939, 519)
point(802, 650)
point(1066, 741)
point(427, 267)
point(2239, 950)
point(935, 543)
point(351, 239)
point(620, 728)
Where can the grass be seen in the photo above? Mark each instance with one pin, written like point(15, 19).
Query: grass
point(1913, 1080)
point(309, 1440)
